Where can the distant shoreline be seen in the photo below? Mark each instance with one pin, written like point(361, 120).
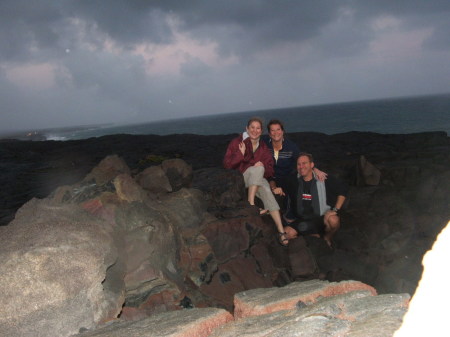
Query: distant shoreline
point(40, 137)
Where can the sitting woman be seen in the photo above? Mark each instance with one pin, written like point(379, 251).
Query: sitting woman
point(253, 159)
point(285, 153)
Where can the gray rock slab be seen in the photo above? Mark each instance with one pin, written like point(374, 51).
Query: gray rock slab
point(328, 316)
point(53, 260)
point(181, 323)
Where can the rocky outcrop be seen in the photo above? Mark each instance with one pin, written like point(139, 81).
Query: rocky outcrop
point(108, 247)
point(312, 308)
point(125, 243)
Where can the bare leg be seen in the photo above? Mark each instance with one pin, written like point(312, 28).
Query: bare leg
point(282, 235)
point(332, 224)
point(251, 193)
point(277, 219)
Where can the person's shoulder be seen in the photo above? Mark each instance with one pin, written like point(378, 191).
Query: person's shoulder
point(266, 139)
point(265, 144)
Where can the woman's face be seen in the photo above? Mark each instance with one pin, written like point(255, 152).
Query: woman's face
point(276, 133)
point(254, 130)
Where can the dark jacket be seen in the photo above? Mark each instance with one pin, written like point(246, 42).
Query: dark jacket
point(333, 187)
point(287, 158)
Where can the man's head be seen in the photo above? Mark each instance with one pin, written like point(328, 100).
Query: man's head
point(305, 165)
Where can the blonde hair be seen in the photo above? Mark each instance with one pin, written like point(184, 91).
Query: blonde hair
point(255, 119)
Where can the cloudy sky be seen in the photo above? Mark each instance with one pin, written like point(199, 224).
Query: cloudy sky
point(78, 62)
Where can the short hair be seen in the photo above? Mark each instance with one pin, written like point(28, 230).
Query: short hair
point(275, 122)
point(255, 119)
point(305, 154)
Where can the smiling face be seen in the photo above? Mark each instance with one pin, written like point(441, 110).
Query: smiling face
point(276, 132)
point(305, 167)
point(254, 130)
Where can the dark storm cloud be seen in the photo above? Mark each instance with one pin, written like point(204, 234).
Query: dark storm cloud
point(79, 60)
point(241, 27)
point(27, 23)
point(126, 21)
point(249, 26)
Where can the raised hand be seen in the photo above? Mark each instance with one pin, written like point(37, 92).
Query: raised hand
point(242, 148)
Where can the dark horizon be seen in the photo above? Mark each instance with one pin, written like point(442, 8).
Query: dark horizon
point(22, 134)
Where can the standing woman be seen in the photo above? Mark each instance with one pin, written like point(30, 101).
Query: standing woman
point(253, 159)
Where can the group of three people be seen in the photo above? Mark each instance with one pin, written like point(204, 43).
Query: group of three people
point(274, 167)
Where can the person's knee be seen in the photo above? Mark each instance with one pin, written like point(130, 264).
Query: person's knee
point(333, 222)
point(255, 175)
point(291, 233)
point(257, 171)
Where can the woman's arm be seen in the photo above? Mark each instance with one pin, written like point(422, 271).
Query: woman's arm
point(236, 154)
point(233, 156)
point(320, 174)
point(267, 159)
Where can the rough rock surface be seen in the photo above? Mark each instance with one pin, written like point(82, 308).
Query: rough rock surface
point(262, 301)
point(351, 313)
point(55, 261)
point(344, 312)
point(106, 247)
point(185, 323)
point(146, 251)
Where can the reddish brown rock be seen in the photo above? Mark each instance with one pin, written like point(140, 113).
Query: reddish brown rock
point(239, 274)
point(263, 301)
point(163, 301)
point(197, 261)
point(230, 237)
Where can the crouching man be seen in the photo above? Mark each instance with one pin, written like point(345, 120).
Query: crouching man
point(314, 205)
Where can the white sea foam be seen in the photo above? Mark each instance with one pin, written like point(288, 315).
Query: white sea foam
point(55, 137)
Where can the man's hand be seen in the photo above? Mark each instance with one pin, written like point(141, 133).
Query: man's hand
point(278, 191)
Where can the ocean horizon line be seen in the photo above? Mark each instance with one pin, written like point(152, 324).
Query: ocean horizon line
point(232, 122)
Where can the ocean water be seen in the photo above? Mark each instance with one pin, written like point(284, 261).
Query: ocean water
point(387, 116)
